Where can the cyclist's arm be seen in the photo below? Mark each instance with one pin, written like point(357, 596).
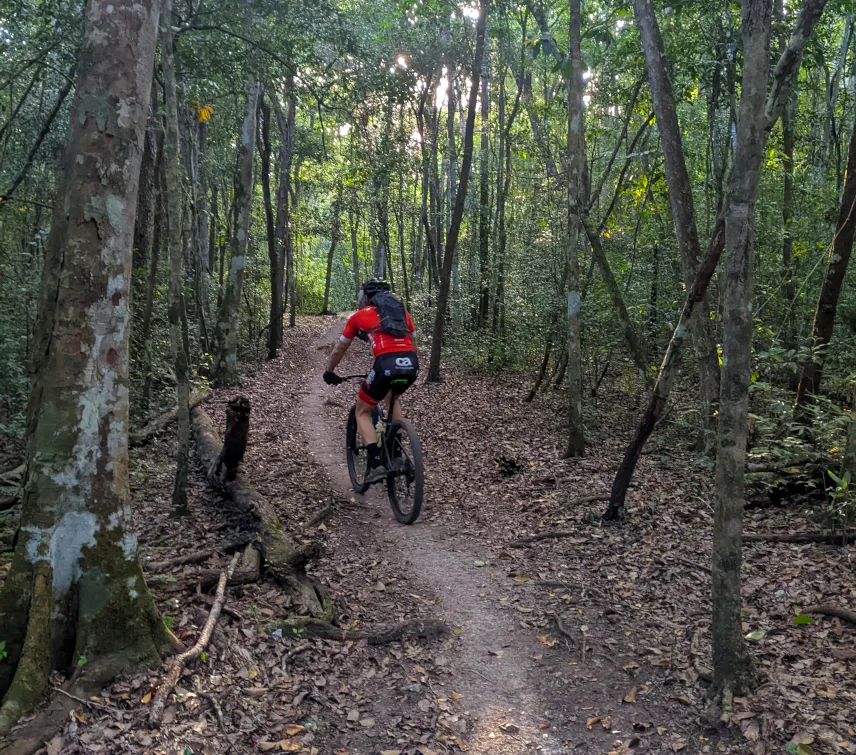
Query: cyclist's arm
point(336, 355)
point(351, 329)
point(412, 328)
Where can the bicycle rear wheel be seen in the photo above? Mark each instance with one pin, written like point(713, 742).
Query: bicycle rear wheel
point(356, 454)
point(403, 457)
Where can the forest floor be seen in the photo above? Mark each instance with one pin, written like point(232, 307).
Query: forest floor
point(586, 642)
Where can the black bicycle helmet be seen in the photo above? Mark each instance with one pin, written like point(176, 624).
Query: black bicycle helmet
point(371, 288)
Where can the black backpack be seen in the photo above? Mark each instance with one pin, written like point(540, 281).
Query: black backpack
point(393, 320)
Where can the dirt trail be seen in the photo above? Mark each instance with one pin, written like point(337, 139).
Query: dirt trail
point(496, 669)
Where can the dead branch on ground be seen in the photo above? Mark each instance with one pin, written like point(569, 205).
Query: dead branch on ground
point(180, 661)
point(827, 610)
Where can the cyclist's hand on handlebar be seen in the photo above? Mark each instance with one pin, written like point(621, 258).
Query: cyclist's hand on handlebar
point(331, 378)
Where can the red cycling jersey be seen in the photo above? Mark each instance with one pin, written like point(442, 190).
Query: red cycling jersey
point(368, 321)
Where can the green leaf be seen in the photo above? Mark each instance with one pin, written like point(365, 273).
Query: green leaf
point(81, 661)
point(756, 636)
point(801, 620)
point(479, 563)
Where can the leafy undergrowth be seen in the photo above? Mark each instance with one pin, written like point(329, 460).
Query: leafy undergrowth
point(619, 613)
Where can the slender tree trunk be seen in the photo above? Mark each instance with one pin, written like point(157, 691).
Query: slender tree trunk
point(213, 229)
point(31, 155)
point(577, 202)
point(172, 195)
point(152, 282)
point(654, 300)
point(460, 198)
point(732, 669)
point(144, 226)
point(226, 368)
point(788, 268)
point(273, 253)
point(201, 231)
point(282, 231)
point(75, 589)
point(681, 201)
point(436, 198)
point(484, 201)
point(353, 222)
point(839, 259)
point(334, 242)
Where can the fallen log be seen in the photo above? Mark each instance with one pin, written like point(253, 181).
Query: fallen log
point(281, 556)
point(180, 661)
point(833, 538)
point(159, 424)
point(835, 611)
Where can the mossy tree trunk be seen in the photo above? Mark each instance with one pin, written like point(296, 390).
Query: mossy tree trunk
point(226, 367)
point(76, 590)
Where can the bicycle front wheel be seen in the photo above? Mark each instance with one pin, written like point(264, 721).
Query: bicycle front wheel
point(403, 455)
point(356, 453)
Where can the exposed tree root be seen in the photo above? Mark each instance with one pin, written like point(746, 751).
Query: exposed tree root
point(180, 661)
point(420, 628)
point(194, 558)
point(801, 537)
point(827, 610)
point(282, 558)
point(145, 434)
point(589, 499)
point(34, 666)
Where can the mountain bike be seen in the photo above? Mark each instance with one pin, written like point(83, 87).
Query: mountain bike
point(402, 457)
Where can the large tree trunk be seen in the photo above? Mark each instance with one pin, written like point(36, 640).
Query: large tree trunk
point(731, 664)
point(460, 198)
point(172, 205)
point(75, 589)
point(273, 253)
point(226, 367)
point(681, 201)
point(842, 246)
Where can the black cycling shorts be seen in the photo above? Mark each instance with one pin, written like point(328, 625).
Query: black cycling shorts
point(395, 371)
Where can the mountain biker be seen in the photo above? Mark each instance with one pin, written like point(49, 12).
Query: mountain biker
point(383, 321)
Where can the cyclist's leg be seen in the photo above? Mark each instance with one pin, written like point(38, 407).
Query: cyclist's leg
point(396, 410)
point(364, 421)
